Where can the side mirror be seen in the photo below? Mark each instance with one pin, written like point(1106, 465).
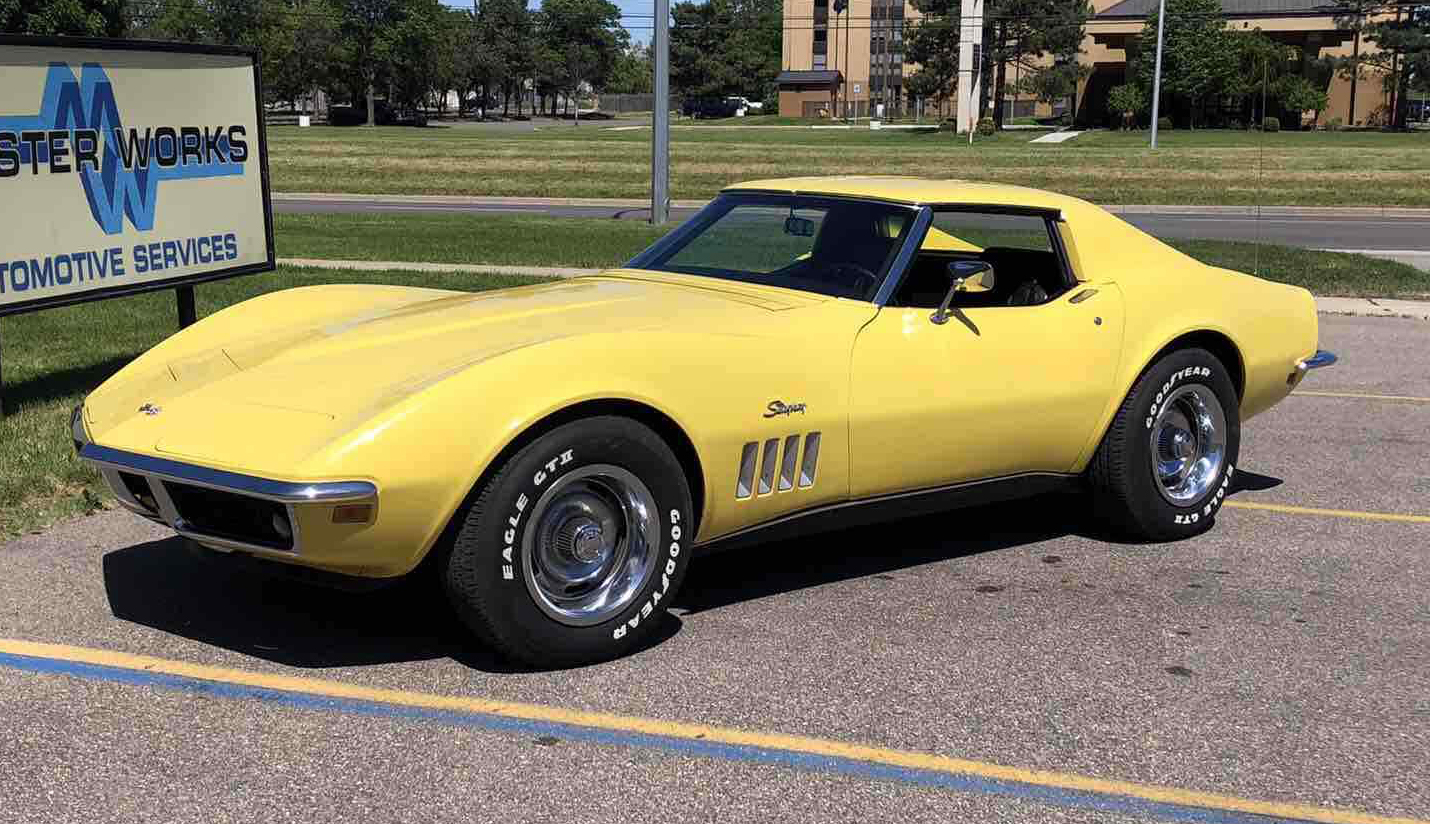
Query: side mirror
point(971, 276)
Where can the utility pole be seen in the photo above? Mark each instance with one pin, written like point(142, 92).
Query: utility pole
point(660, 119)
point(1157, 73)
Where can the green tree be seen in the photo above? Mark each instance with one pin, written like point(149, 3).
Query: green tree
point(1197, 55)
point(1126, 103)
point(362, 26)
point(634, 72)
point(84, 18)
point(580, 40)
point(1015, 32)
point(411, 53)
point(1353, 16)
point(1404, 55)
point(303, 51)
point(725, 47)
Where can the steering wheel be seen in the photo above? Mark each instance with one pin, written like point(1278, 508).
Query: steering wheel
point(870, 280)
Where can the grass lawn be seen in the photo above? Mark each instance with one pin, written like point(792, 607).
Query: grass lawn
point(528, 240)
point(1190, 167)
point(54, 357)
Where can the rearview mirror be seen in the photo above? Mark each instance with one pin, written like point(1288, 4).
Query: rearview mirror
point(971, 276)
point(799, 227)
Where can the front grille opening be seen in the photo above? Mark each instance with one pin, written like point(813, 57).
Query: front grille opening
point(232, 516)
point(139, 490)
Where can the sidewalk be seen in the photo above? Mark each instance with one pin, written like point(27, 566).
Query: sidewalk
point(1363, 307)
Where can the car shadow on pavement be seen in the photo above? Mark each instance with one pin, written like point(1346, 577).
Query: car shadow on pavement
point(171, 587)
point(168, 586)
point(747, 573)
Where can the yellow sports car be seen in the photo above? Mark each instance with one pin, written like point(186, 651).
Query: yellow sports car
point(837, 347)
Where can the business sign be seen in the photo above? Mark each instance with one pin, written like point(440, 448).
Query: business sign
point(126, 167)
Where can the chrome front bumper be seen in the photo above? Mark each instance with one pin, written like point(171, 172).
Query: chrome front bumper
point(186, 496)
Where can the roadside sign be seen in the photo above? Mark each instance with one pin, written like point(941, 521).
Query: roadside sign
point(127, 167)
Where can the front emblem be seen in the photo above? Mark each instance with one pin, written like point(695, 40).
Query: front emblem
point(150, 409)
point(777, 408)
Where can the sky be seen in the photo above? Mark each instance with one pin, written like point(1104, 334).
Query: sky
point(639, 27)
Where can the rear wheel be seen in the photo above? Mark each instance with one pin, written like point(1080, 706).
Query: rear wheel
point(1165, 465)
point(570, 551)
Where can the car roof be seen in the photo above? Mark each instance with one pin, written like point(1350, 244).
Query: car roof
point(917, 191)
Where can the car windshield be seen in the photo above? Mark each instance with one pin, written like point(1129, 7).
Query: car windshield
point(826, 245)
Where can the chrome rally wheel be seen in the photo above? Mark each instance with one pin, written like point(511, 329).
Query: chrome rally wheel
point(592, 544)
point(1188, 444)
point(1165, 463)
point(571, 550)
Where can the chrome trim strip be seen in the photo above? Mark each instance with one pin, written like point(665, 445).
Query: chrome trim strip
point(912, 242)
point(1321, 359)
point(284, 492)
point(876, 499)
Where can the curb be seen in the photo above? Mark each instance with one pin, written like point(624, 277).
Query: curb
point(1360, 307)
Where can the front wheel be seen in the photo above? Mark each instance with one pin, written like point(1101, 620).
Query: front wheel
point(572, 550)
point(1166, 463)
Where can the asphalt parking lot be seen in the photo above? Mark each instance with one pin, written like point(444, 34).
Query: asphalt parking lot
point(999, 664)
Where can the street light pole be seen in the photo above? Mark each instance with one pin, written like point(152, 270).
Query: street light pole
point(1157, 72)
point(660, 119)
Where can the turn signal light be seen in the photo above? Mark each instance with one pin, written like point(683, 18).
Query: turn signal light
point(352, 514)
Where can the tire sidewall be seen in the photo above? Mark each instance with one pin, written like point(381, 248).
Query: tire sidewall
point(1189, 367)
point(498, 554)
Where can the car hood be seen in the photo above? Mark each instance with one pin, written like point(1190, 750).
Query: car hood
point(304, 364)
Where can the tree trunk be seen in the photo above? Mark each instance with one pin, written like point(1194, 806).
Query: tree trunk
point(371, 116)
point(505, 100)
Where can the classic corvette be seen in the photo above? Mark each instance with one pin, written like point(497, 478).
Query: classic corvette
point(800, 353)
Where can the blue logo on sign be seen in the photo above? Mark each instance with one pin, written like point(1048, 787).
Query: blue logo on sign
point(122, 177)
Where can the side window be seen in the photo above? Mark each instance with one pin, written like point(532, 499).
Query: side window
point(981, 230)
point(1027, 269)
point(755, 239)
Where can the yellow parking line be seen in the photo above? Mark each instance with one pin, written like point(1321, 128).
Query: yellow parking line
point(1331, 513)
point(140, 665)
point(1362, 396)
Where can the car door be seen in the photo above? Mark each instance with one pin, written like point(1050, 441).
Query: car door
point(994, 391)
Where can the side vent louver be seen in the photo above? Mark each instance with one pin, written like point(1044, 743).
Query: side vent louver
point(745, 484)
point(787, 465)
point(767, 467)
point(811, 460)
point(792, 467)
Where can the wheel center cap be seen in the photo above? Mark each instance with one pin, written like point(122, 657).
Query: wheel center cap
point(588, 544)
point(1182, 444)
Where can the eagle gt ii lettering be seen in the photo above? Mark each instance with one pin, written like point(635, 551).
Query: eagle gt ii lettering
point(561, 451)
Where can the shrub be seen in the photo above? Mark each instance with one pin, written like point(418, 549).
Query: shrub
point(1270, 124)
point(985, 127)
point(1334, 124)
point(1165, 124)
point(1124, 103)
point(1235, 124)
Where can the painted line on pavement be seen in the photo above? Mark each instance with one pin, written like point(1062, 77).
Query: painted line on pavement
point(798, 752)
point(1330, 513)
point(1362, 396)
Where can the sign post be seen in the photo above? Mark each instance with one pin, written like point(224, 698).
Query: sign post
point(141, 166)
